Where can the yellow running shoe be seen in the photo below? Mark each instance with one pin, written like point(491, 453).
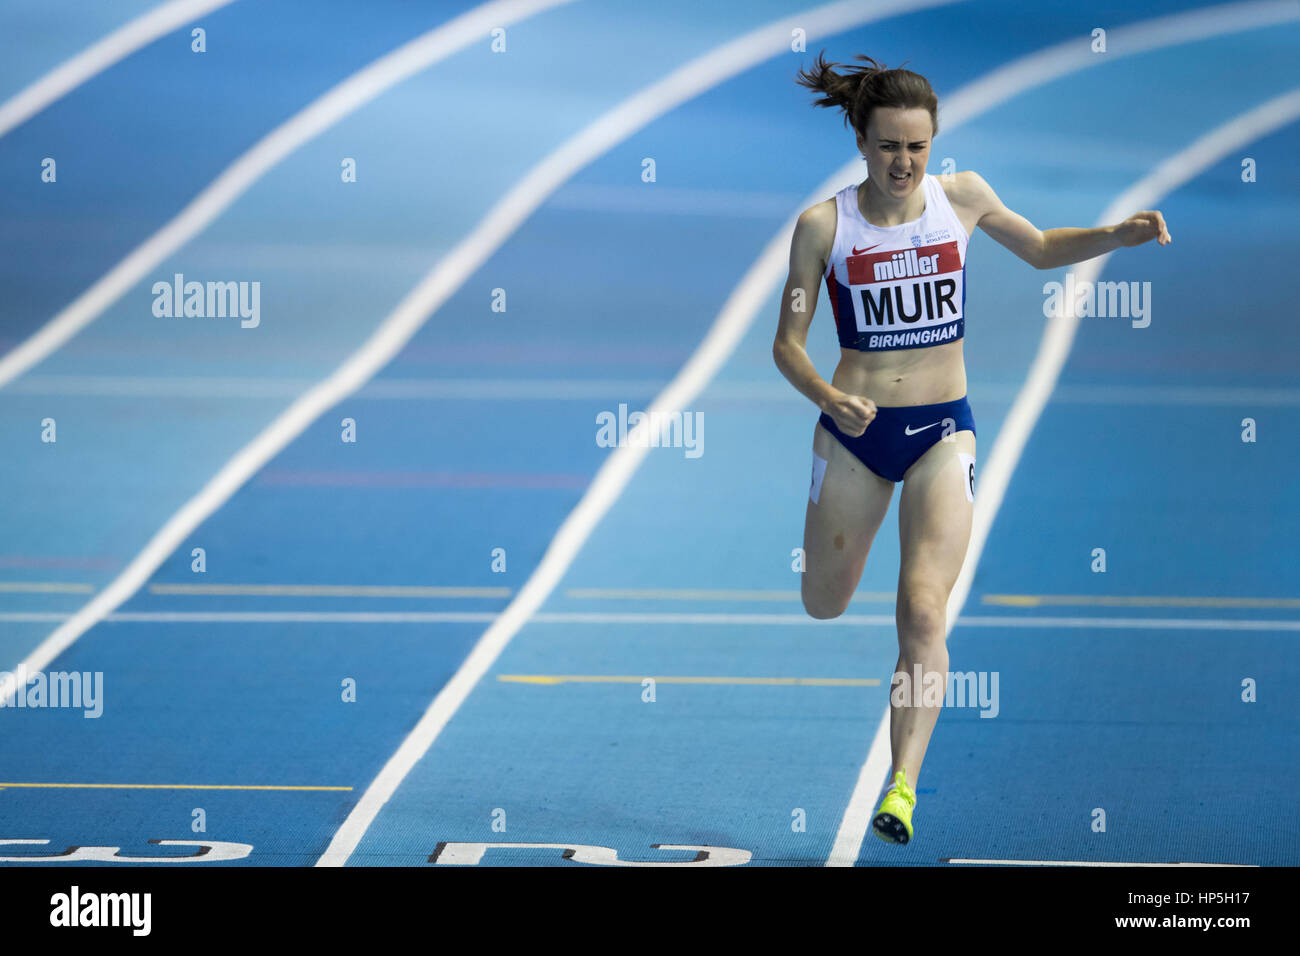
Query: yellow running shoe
point(893, 821)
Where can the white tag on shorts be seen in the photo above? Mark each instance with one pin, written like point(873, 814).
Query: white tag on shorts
point(968, 474)
point(818, 473)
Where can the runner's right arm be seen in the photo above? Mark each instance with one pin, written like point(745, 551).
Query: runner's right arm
point(814, 233)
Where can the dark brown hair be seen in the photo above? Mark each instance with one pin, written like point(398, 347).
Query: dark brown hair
point(861, 89)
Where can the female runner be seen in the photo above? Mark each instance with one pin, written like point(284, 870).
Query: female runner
point(892, 250)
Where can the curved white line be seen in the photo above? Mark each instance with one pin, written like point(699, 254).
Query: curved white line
point(1054, 348)
point(1073, 55)
point(1010, 443)
point(729, 328)
point(98, 57)
point(351, 94)
point(397, 329)
point(682, 84)
point(651, 617)
point(564, 389)
point(1082, 863)
point(632, 114)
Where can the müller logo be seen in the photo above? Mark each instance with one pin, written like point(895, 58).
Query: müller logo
point(889, 265)
point(904, 265)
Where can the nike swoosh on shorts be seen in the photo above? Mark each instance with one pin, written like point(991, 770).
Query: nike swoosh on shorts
point(908, 430)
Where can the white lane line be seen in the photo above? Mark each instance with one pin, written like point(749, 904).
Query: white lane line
point(746, 596)
point(1081, 863)
point(632, 617)
point(1172, 395)
point(681, 85)
point(1009, 445)
point(576, 389)
point(1059, 334)
point(350, 95)
point(1180, 168)
point(98, 57)
point(673, 201)
point(859, 620)
point(1054, 348)
point(383, 344)
point(756, 287)
point(1054, 62)
point(722, 338)
point(385, 389)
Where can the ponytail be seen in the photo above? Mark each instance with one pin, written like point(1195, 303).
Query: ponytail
point(860, 89)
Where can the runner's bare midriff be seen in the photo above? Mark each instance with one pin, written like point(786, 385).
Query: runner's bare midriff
point(903, 376)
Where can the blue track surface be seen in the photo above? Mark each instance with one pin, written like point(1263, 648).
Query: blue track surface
point(478, 436)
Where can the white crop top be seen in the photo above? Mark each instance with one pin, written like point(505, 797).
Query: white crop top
point(898, 287)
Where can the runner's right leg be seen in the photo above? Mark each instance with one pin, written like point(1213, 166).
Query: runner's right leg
point(840, 525)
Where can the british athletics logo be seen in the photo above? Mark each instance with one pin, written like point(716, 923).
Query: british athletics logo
point(919, 287)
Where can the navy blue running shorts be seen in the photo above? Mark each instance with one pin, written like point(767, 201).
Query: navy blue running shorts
point(901, 434)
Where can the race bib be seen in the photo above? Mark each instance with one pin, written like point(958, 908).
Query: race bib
point(818, 473)
point(968, 474)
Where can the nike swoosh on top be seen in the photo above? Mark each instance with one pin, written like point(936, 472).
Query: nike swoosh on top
point(909, 431)
point(858, 252)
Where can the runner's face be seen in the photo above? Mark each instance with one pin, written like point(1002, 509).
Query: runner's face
point(897, 148)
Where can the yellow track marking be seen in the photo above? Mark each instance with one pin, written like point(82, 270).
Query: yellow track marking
point(1103, 600)
point(764, 681)
point(704, 594)
point(655, 594)
point(44, 587)
point(328, 590)
point(158, 786)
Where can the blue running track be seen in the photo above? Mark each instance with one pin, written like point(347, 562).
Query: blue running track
point(276, 656)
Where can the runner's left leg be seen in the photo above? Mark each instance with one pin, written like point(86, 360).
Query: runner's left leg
point(934, 522)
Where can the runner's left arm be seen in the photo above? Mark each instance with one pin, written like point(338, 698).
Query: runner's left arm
point(1051, 248)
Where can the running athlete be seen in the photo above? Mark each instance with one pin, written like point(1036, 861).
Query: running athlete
point(892, 251)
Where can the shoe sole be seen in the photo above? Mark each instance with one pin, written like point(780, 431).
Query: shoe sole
point(889, 828)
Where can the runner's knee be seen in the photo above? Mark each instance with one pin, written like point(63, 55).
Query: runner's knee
point(819, 604)
point(921, 615)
